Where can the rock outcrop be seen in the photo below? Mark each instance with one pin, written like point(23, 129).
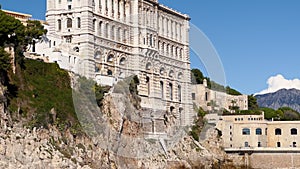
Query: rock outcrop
point(120, 144)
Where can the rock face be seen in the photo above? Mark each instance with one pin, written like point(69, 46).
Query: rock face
point(51, 148)
point(282, 98)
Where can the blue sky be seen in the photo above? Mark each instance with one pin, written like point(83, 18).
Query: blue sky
point(255, 39)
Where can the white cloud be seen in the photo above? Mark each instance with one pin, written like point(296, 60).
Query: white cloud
point(278, 82)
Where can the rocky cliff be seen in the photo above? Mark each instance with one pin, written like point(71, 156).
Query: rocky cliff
point(118, 147)
point(281, 98)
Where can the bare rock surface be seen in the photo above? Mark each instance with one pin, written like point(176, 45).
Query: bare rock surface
point(122, 146)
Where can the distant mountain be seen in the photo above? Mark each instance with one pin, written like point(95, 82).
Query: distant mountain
point(281, 98)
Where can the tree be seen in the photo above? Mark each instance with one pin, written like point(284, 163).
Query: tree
point(272, 114)
point(4, 65)
point(197, 76)
point(232, 91)
point(34, 31)
point(11, 30)
point(4, 60)
point(289, 114)
point(252, 102)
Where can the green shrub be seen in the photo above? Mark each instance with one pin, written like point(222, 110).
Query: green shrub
point(41, 87)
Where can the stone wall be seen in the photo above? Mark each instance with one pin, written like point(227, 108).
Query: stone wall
point(267, 160)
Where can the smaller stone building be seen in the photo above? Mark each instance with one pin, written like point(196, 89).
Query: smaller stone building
point(214, 100)
point(253, 131)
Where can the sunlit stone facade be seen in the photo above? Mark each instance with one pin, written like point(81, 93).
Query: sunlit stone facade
point(108, 40)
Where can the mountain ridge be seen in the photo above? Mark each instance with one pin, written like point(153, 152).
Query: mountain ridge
point(281, 98)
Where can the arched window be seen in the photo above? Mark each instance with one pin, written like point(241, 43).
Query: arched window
point(94, 25)
point(110, 58)
point(168, 49)
point(100, 28)
point(106, 30)
point(119, 34)
point(109, 72)
point(179, 93)
point(78, 22)
point(150, 40)
point(122, 61)
point(162, 89)
point(171, 73)
point(180, 114)
point(97, 69)
point(59, 24)
point(112, 5)
point(69, 23)
point(125, 35)
point(112, 32)
point(246, 131)
point(76, 49)
point(162, 71)
point(246, 144)
point(171, 91)
point(277, 131)
point(293, 131)
point(148, 66)
point(106, 5)
point(171, 109)
point(258, 131)
point(97, 55)
point(181, 53)
point(118, 7)
point(148, 85)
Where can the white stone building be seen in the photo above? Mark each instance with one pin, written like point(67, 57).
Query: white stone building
point(108, 40)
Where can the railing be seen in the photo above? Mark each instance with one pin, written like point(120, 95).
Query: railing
point(262, 149)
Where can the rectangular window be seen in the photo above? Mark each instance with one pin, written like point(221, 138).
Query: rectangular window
point(193, 96)
point(69, 7)
point(278, 144)
point(33, 46)
point(59, 24)
point(179, 93)
point(258, 131)
point(246, 131)
point(78, 23)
